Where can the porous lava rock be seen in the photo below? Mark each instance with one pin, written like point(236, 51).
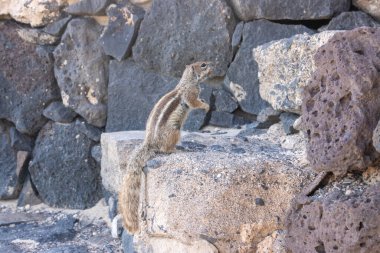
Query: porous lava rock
point(340, 218)
point(81, 69)
point(27, 82)
point(62, 168)
point(341, 105)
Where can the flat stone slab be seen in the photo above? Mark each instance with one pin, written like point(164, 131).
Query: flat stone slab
point(230, 189)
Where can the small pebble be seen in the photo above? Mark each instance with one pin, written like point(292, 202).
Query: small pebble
point(259, 202)
point(348, 192)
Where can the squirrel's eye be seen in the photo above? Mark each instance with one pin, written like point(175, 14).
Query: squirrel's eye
point(203, 65)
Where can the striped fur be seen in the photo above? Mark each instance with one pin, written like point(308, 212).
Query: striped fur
point(162, 134)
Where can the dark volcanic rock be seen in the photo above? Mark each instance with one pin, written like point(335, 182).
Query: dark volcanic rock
point(341, 105)
point(26, 80)
point(20, 141)
point(132, 94)
point(12, 166)
point(57, 112)
point(237, 36)
point(62, 168)
point(222, 119)
point(224, 101)
point(81, 69)
point(336, 222)
point(120, 34)
point(175, 33)
point(96, 153)
point(291, 9)
point(88, 7)
point(287, 122)
point(90, 131)
point(350, 20)
point(376, 137)
point(198, 118)
point(67, 249)
point(28, 195)
point(57, 27)
point(62, 230)
point(242, 75)
point(268, 117)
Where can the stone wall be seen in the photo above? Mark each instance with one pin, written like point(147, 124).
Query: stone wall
point(71, 70)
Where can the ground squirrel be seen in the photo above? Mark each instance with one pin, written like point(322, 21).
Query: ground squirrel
point(162, 134)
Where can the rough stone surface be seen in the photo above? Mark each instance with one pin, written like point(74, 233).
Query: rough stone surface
point(294, 10)
point(90, 131)
point(56, 111)
point(274, 243)
point(372, 7)
point(67, 249)
point(28, 194)
point(344, 216)
point(132, 93)
point(57, 27)
point(211, 194)
point(349, 21)
point(20, 141)
point(26, 80)
point(287, 121)
point(113, 145)
point(237, 36)
point(198, 118)
point(285, 67)
point(96, 153)
point(37, 36)
point(88, 7)
point(127, 241)
point(163, 245)
point(81, 69)
point(222, 119)
point(120, 34)
point(224, 101)
point(183, 42)
point(242, 75)
point(268, 117)
point(40, 229)
point(63, 230)
point(13, 164)
point(33, 12)
point(341, 105)
point(376, 137)
point(62, 168)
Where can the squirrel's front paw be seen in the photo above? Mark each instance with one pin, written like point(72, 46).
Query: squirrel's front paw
point(206, 107)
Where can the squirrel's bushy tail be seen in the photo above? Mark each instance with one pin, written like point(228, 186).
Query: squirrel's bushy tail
point(129, 195)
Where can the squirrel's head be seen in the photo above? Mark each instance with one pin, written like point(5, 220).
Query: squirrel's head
point(202, 70)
